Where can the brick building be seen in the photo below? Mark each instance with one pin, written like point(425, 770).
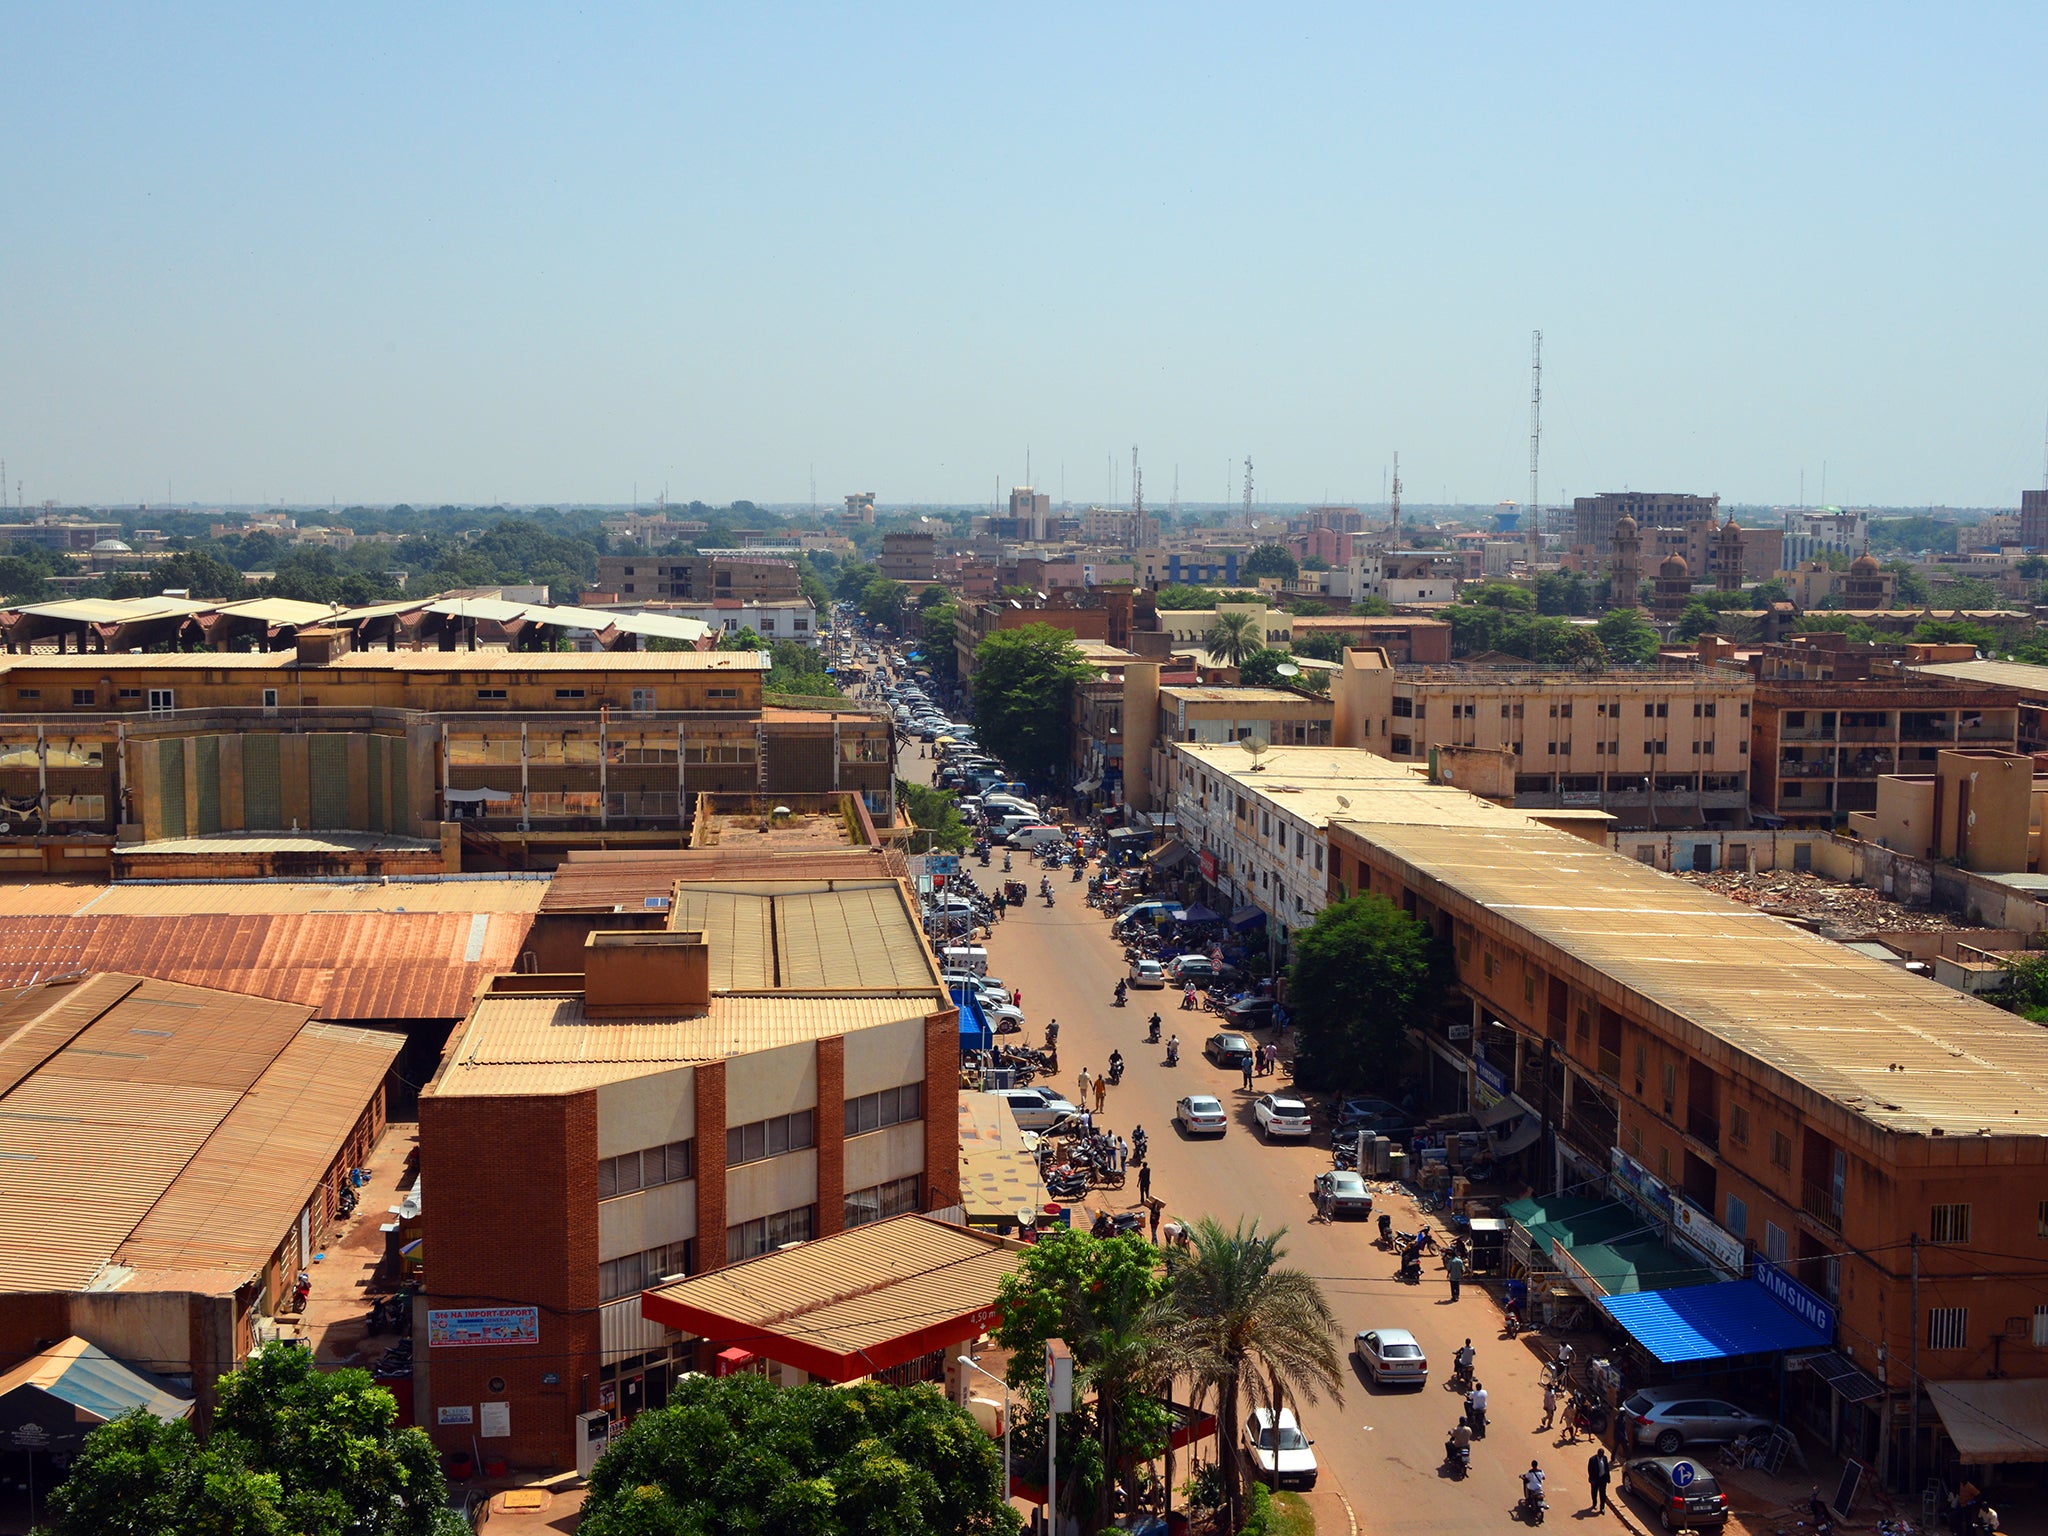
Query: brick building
point(777, 1063)
point(1779, 1105)
point(750, 575)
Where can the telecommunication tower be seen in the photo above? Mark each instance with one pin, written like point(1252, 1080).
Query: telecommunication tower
point(1137, 484)
point(1174, 505)
point(1535, 440)
point(1394, 536)
point(1247, 490)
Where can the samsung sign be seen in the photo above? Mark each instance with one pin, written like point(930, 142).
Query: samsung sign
point(1795, 1298)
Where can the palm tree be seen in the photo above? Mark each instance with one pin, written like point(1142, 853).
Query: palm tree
point(1233, 636)
point(1251, 1328)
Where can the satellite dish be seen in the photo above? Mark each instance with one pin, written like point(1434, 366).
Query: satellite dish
point(1345, 801)
point(1288, 669)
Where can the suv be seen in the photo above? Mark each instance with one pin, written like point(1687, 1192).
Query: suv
point(1036, 1109)
point(1279, 1452)
point(1688, 1499)
point(1669, 1417)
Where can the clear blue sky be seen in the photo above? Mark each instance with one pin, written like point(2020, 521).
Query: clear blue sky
point(530, 253)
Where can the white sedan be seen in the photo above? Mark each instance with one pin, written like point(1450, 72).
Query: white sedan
point(1201, 1114)
point(1278, 1116)
point(1147, 973)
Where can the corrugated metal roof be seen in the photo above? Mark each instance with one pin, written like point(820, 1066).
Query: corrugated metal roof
point(598, 882)
point(514, 1044)
point(1891, 1047)
point(93, 1381)
point(544, 661)
point(343, 965)
point(2024, 676)
point(97, 1135)
point(1711, 1322)
point(256, 1172)
point(852, 1293)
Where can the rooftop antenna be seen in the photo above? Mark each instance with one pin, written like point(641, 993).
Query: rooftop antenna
point(1535, 439)
point(1247, 490)
point(1137, 484)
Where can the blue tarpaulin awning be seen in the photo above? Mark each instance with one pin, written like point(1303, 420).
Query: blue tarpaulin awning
point(1711, 1322)
point(1244, 919)
point(975, 1034)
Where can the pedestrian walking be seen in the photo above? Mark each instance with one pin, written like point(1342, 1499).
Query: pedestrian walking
point(1156, 1210)
point(1322, 1202)
point(1549, 1405)
point(1084, 1080)
point(1123, 1155)
point(1247, 1071)
point(1454, 1269)
point(1145, 1192)
point(1101, 1093)
point(1598, 1470)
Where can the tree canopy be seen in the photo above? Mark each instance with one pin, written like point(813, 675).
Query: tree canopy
point(936, 815)
point(1360, 972)
point(1270, 560)
point(1261, 669)
point(1232, 637)
point(1627, 635)
point(293, 1451)
point(883, 601)
point(1024, 683)
point(740, 1456)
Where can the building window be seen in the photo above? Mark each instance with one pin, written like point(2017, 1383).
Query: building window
point(78, 807)
point(128, 693)
point(162, 701)
point(892, 1106)
point(1949, 1224)
point(490, 695)
point(768, 1233)
point(1948, 1327)
point(769, 1138)
point(1738, 1125)
point(721, 693)
point(568, 693)
point(896, 1198)
point(2041, 1327)
point(83, 698)
point(629, 1171)
point(1738, 1218)
point(2041, 1220)
point(628, 1276)
point(1781, 1150)
point(1775, 1246)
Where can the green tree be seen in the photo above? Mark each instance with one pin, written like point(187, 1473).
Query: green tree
point(936, 815)
point(1503, 595)
point(292, 1450)
point(1695, 619)
point(1360, 972)
point(2033, 567)
point(1251, 1328)
point(1106, 1299)
point(853, 580)
point(812, 584)
point(1321, 645)
point(1911, 590)
point(1270, 560)
point(1371, 608)
point(1627, 635)
point(882, 601)
point(1955, 632)
point(739, 1456)
point(797, 669)
point(1765, 593)
point(1562, 592)
point(202, 574)
point(1023, 697)
point(936, 636)
point(933, 596)
point(1231, 637)
point(1261, 669)
point(742, 639)
point(1315, 563)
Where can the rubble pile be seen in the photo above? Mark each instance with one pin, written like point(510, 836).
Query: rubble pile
point(1834, 908)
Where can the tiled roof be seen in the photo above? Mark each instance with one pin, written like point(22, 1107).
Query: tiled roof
point(115, 1090)
point(349, 965)
point(627, 879)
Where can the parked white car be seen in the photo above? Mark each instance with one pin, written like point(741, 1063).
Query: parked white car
point(1279, 1447)
point(1279, 1116)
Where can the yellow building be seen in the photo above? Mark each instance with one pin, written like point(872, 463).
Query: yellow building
point(1666, 748)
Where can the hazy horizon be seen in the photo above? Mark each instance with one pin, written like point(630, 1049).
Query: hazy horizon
point(530, 257)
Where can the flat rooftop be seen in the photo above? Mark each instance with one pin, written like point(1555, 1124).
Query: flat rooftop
point(375, 659)
point(1325, 784)
point(154, 1135)
point(1904, 1053)
point(2020, 675)
point(1205, 693)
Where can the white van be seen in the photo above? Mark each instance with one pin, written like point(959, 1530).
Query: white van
point(965, 960)
point(1039, 835)
point(1036, 1109)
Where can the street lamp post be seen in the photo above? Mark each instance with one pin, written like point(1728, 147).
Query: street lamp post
point(968, 1361)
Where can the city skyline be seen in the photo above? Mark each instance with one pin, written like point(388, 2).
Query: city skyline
point(481, 257)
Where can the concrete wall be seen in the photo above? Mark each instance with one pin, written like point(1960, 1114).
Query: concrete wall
point(886, 1056)
point(763, 1084)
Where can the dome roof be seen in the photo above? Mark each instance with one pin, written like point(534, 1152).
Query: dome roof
point(1865, 565)
point(1673, 567)
point(111, 547)
point(1625, 524)
point(1730, 528)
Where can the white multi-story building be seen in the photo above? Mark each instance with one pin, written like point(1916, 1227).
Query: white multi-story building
point(1259, 826)
point(771, 619)
point(1810, 535)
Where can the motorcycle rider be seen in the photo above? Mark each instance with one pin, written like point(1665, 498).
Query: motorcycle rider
point(1532, 1486)
point(1173, 1050)
point(1458, 1449)
point(1475, 1408)
point(1462, 1362)
point(1122, 988)
point(1116, 1065)
point(1153, 1037)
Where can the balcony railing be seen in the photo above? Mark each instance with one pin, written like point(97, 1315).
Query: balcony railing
point(1609, 1063)
point(1704, 1129)
point(1821, 1202)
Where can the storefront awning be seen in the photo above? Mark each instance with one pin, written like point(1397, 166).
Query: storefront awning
point(1170, 855)
point(1994, 1421)
point(1244, 919)
point(1711, 1322)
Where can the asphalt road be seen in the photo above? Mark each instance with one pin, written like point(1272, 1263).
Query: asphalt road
point(1382, 1449)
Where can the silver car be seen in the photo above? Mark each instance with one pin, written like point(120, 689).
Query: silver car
point(1669, 1417)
